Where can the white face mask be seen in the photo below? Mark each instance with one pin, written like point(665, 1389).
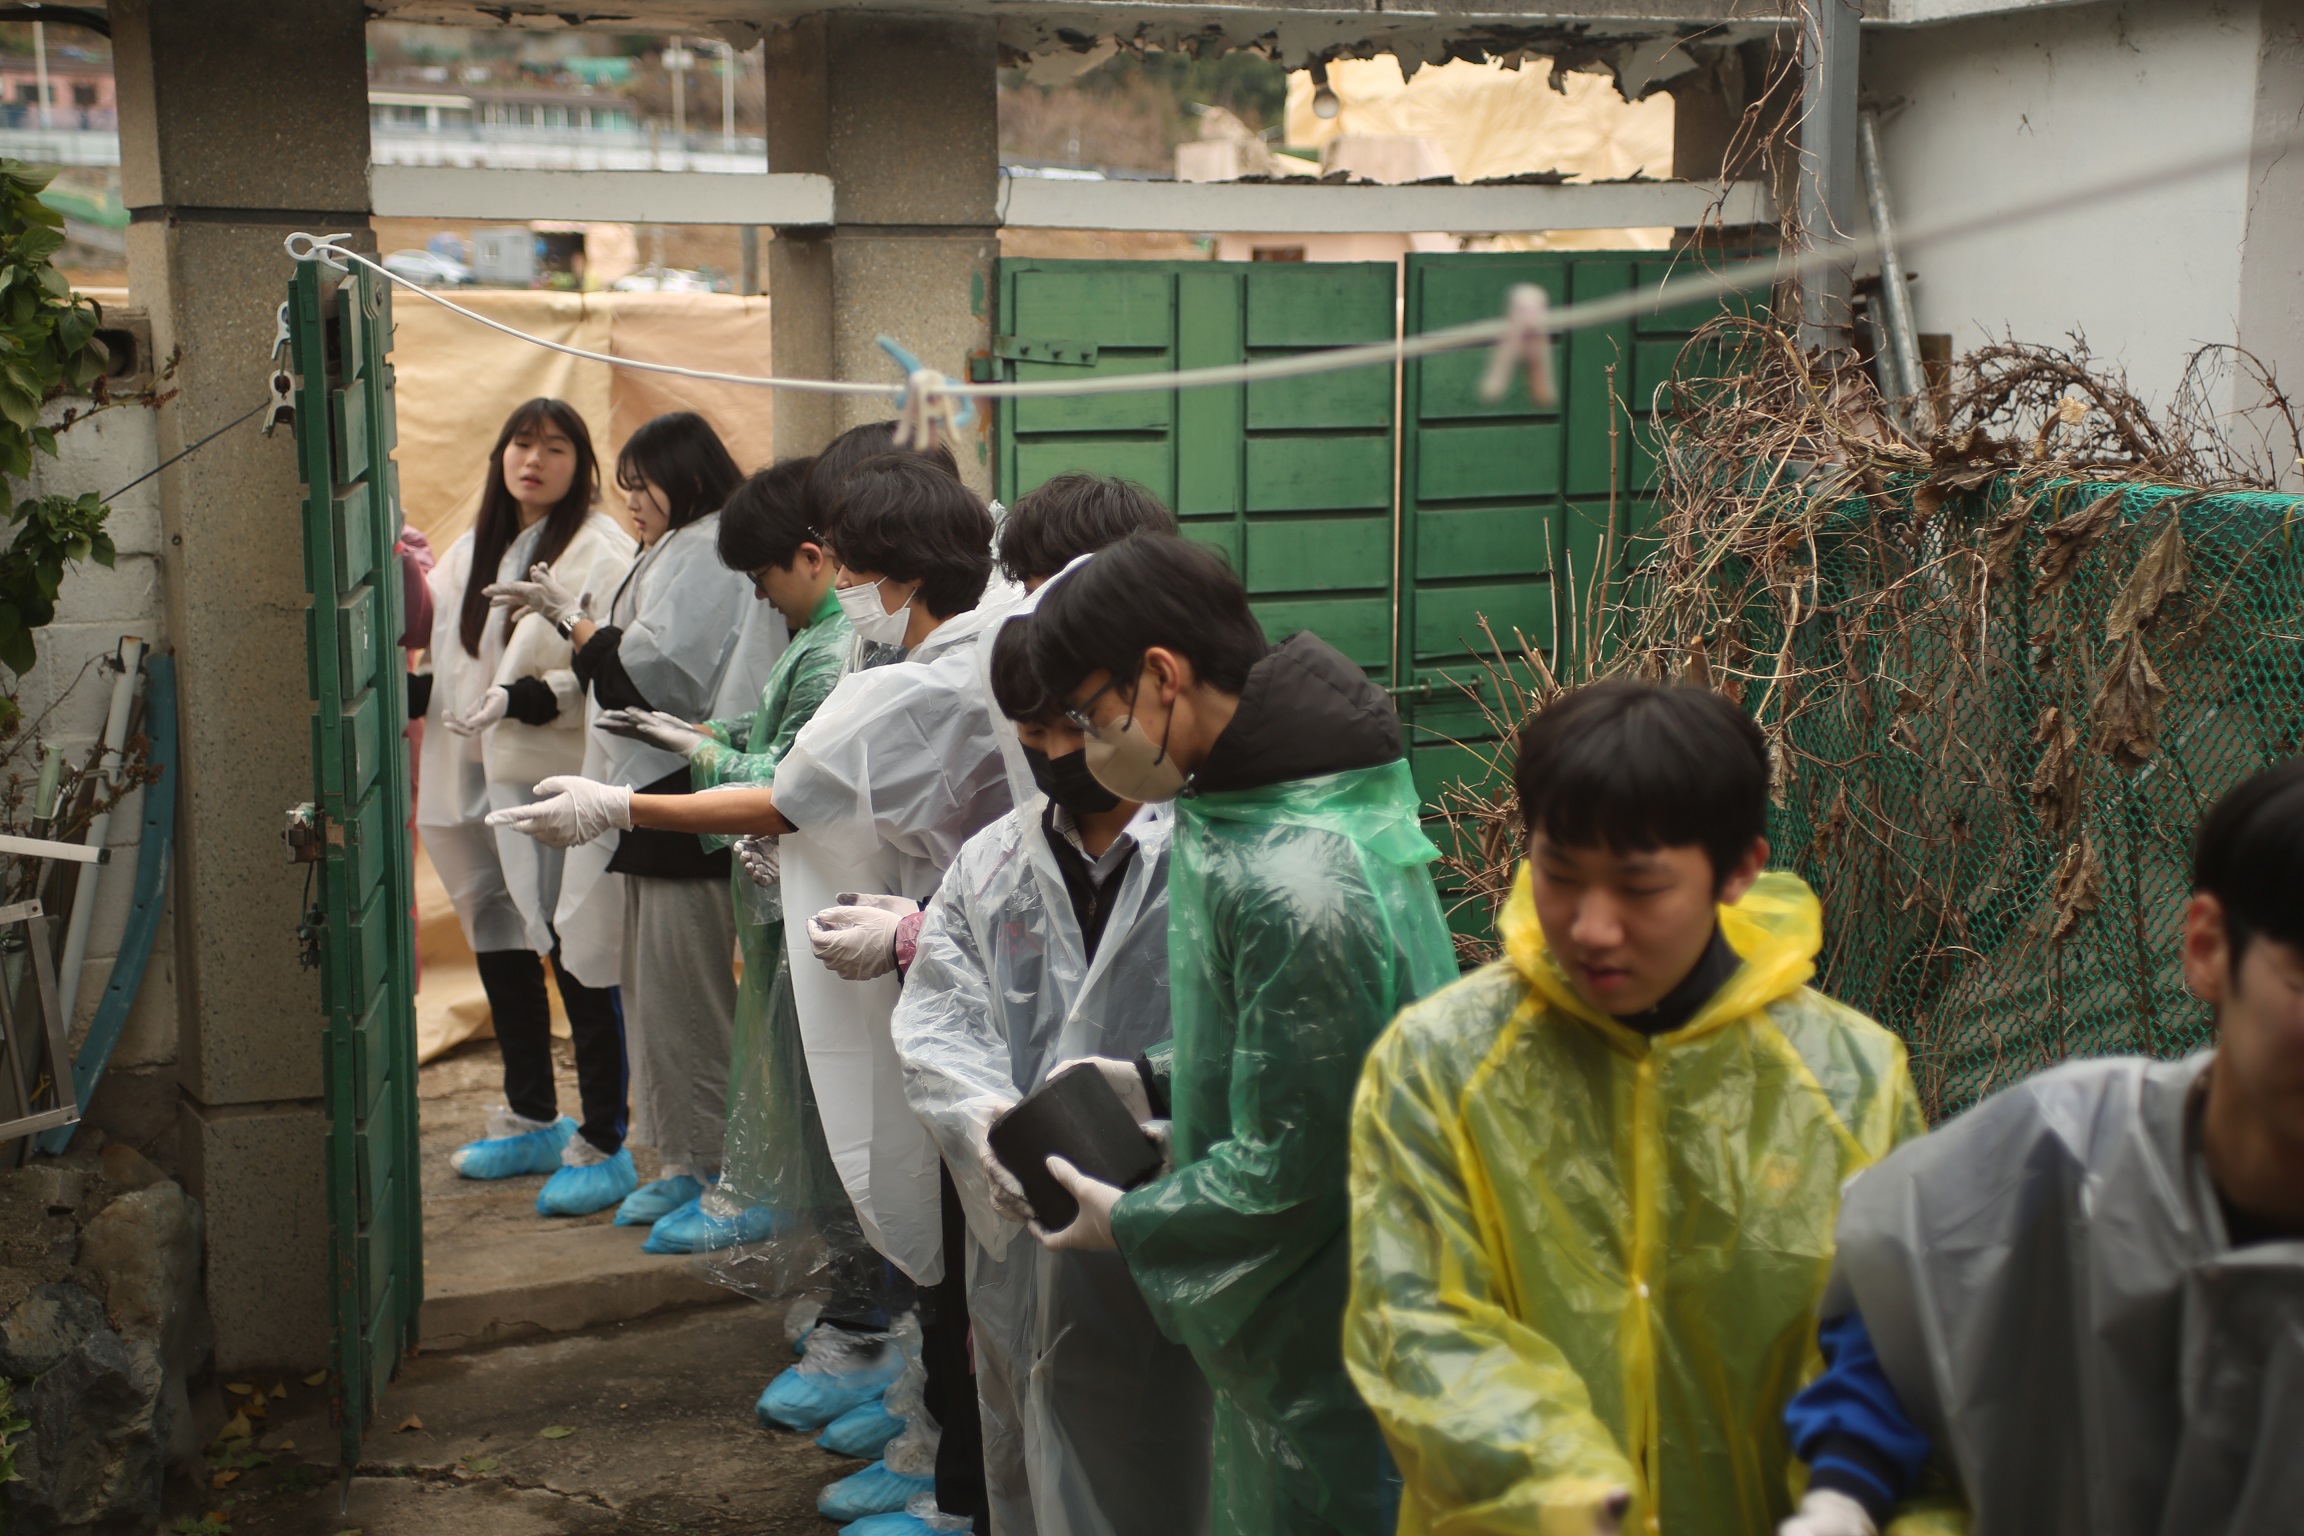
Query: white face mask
point(1125, 759)
point(874, 624)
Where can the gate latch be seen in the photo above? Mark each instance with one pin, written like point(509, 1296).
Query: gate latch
point(1042, 349)
point(304, 834)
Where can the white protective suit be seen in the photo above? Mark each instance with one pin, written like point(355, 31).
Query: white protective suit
point(898, 769)
point(503, 886)
point(696, 644)
point(2050, 1288)
point(1094, 1422)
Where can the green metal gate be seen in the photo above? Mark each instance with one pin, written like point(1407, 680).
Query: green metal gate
point(340, 328)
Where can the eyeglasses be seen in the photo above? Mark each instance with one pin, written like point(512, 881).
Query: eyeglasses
point(1078, 713)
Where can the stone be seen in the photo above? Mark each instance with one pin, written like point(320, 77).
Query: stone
point(145, 1247)
point(128, 1168)
point(95, 1455)
point(55, 1187)
point(44, 1327)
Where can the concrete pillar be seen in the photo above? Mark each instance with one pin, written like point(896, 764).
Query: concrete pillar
point(901, 113)
point(241, 120)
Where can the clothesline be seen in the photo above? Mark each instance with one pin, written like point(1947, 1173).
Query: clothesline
point(1518, 335)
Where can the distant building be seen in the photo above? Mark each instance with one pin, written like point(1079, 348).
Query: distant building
point(79, 92)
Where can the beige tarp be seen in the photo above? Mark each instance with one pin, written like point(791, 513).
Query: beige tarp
point(454, 382)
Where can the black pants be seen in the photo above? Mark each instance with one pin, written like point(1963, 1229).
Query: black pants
point(514, 982)
point(950, 1390)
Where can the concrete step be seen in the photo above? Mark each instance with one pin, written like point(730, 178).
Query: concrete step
point(527, 1280)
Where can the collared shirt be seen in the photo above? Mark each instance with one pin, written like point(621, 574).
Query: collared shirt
point(1101, 867)
point(1090, 880)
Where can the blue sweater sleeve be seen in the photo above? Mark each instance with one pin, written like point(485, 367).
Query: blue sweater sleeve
point(1849, 1426)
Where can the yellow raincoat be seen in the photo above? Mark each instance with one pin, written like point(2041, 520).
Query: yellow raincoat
point(1586, 1261)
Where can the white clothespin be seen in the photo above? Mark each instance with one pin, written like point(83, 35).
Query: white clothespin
point(928, 411)
point(1526, 344)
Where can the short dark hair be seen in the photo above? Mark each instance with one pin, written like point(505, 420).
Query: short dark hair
point(1149, 589)
point(846, 453)
point(2250, 846)
point(765, 522)
point(684, 458)
point(1015, 680)
point(901, 518)
point(1632, 766)
point(1073, 515)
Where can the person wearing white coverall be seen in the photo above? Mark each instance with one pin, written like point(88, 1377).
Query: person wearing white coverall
point(1048, 942)
point(679, 632)
point(899, 767)
point(504, 711)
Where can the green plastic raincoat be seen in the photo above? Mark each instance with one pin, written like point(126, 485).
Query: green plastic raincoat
point(775, 1151)
point(1302, 918)
point(1584, 1260)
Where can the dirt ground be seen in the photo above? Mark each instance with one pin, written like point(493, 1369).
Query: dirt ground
point(643, 1427)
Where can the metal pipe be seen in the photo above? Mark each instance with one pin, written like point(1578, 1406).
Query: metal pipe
point(1828, 63)
point(1903, 331)
point(99, 828)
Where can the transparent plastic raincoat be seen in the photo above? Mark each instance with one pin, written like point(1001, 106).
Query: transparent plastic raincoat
point(1302, 917)
point(1585, 1260)
point(774, 1154)
point(2053, 1292)
point(1093, 1423)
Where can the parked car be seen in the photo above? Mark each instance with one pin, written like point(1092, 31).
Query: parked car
point(428, 269)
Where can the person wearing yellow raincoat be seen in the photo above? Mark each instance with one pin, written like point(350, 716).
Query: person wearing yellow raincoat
point(1594, 1183)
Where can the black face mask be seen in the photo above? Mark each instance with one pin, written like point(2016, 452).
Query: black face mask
point(1067, 781)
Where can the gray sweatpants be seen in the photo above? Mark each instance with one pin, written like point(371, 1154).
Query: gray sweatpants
point(679, 1013)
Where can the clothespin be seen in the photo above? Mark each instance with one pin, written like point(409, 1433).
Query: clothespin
point(281, 408)
point(1526, 344)
point(928, 410)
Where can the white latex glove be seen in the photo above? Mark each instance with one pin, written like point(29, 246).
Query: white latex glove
point(666, 733)
point(574, 810)
point(1126, 1081)
point(1091, 1230)
point(762, 858)
point(1156, 1132)
point(541, 593)
point(1008, 1197)
point(1825, 1512)
point(857, 939)
point(486, 712)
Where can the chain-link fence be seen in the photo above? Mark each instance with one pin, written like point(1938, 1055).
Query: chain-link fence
point(1998, 725)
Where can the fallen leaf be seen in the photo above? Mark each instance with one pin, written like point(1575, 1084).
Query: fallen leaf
point(236, 1427)
point(409, 1423)
point(240, 1388)
point(481, 1463)
point(317, 1379)
point(352, 1531)
point(556, 1431)
point(285, 1445)
point(223, 1479)
point(278, 1390)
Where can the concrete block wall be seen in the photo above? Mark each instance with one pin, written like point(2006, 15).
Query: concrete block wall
point(65, 699)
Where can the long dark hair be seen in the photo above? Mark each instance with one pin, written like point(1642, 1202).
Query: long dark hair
point(680, 454)
point(499, 521)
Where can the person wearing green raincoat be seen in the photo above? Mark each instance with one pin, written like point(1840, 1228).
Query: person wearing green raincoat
point(1594, 1182)
point(777, 1177)
point(1302, 917)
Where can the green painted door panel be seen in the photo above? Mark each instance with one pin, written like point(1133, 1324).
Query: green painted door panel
point(339, 338)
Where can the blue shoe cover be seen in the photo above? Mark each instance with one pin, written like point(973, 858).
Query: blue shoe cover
point(692, 1229)
point(873, 1491)
point(651, 1203)
point(861, 1432)
point(503, 1157)
point(898, 1524)
point(595, 1187)
point(840, 1372)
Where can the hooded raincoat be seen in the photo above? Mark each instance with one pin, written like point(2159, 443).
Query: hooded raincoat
point(2052, 1291)
point(899, 767)
point(1093, 1423)
point(1302, 917)
point(775, 1155)
point(1585, 1260)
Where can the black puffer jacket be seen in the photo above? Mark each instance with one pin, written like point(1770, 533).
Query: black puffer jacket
point(1305, 711)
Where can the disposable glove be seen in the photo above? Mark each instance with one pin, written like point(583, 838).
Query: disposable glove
point(666, 733)
point(541, 593)
point(1825, 1512)
point(486, 712)
point(1008, 1197)
point(1126, 1081)
point(574, 810)
point(762, 857)
point(1091, 1230)
point(857, 939)
point(1156, 1132)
